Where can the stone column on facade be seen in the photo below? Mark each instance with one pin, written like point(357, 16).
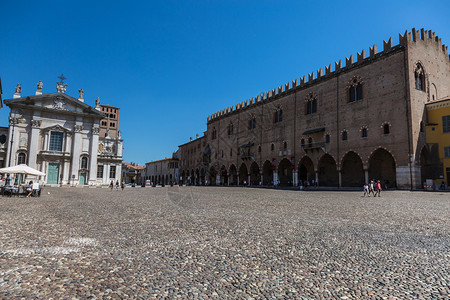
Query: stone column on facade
point(76, 151)
point(340, 178)
point(249, 178)
point(295, 178)
point(93, 147)
point(34, 143)
point(66, 174)
point(366, 176)
point(238, 180)
point(45, 144)
point(262, 179)
point(118, 171)
point(9, 152)
point(275, 178)
point(317, 177)
point(106, 169)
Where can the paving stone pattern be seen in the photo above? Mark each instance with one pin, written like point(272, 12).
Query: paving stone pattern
point(212, 242)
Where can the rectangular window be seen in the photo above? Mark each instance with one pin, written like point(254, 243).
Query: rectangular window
point(56, 141)
point(100, 171)
point(447, 152)
point(446, 124)
point(112, 172)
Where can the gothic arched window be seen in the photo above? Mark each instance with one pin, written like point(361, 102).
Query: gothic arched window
point(355, 89)
point(311, 104)
point(278, 115)
point(419, 78)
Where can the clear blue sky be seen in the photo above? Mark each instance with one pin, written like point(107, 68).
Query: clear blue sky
point(169, 64)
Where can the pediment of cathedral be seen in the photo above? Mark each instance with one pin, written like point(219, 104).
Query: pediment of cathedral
point(58, 102)
point(58, 128)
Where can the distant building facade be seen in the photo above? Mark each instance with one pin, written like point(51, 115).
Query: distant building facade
point(163, 171)
point(59, 135)
point(132, 173)
point(435, 155)
point(192, 167)
point(342, 127)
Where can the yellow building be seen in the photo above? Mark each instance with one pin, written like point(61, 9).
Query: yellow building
point(435, 157)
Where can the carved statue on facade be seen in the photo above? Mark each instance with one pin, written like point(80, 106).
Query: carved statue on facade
point(97, 102)
point(81, 93)
point(40, 85)
point(61, 88)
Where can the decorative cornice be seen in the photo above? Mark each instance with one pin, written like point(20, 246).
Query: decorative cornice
point(78, 128)
point(36, 123)
point(95, 130)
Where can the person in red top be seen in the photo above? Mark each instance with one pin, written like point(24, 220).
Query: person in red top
point(377, 188)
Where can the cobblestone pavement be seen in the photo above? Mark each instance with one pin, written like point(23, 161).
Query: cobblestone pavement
point(210, 242)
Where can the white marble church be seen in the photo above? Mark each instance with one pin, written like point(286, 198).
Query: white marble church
point(59, 135)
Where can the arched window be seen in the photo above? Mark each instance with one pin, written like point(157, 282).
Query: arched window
point(252, 123)
point(419, 78)
point(230, 129)
point(311, 104)
point(259, 149)
point(21, 158)
point(364, 132)
point(327, 139)
point(310, 142)
point(302, 142)
point(278, 115)
point(84, 162)
point(214, 133)
point(386, 128)
point(231, 152)
point(344, 135)
point(272, 147)
point(355, 89)
point(222, 153)
point(284, 145)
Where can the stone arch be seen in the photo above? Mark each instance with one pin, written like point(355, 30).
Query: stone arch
point(212, 175)
point(223, 176)
point(243, 174)
point(254, 174)
point(433, 92)
point(233, 175)
point(328, 174)
point(202, 176)
point(382, 166)
point(267, 173)
point(352, 170)
point(183, 177)
point(430, 164)
point(192, 179)
point(305, 170)
point(285, 172)
point(197, 176)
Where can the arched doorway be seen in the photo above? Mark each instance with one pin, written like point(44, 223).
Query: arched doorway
point(306, 170)
point(243, 175)
point(254, 174)
point(328, 174)
point(212, 176)
point(233, 175)
point(352, 170)
point(223, 176)
point(267, 173)
point(382, 167)
point(430, 164)
point(197, 176)
point(202, 176)
point(285, 172)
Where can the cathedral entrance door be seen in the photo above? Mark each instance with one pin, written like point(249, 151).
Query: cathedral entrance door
point(52, 174)
point(82, 178)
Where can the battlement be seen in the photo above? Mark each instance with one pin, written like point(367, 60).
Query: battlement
point(405, 40)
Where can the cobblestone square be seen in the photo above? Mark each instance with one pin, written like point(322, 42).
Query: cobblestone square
point(213, 242)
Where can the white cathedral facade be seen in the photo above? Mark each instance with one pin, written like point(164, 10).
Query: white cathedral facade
point(59, 135)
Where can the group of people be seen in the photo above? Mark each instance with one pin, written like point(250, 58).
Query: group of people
point(122, 185)
point(374, 188)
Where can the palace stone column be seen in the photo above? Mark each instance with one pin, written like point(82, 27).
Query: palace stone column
point(33, 146)
point(93, 149)
point(76, 151)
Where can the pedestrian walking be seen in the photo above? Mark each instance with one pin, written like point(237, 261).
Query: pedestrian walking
point(122, 185)
point(366, 190)
point(377, 189)
point(371, 188)
point(111, 185)
point(117, 185)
